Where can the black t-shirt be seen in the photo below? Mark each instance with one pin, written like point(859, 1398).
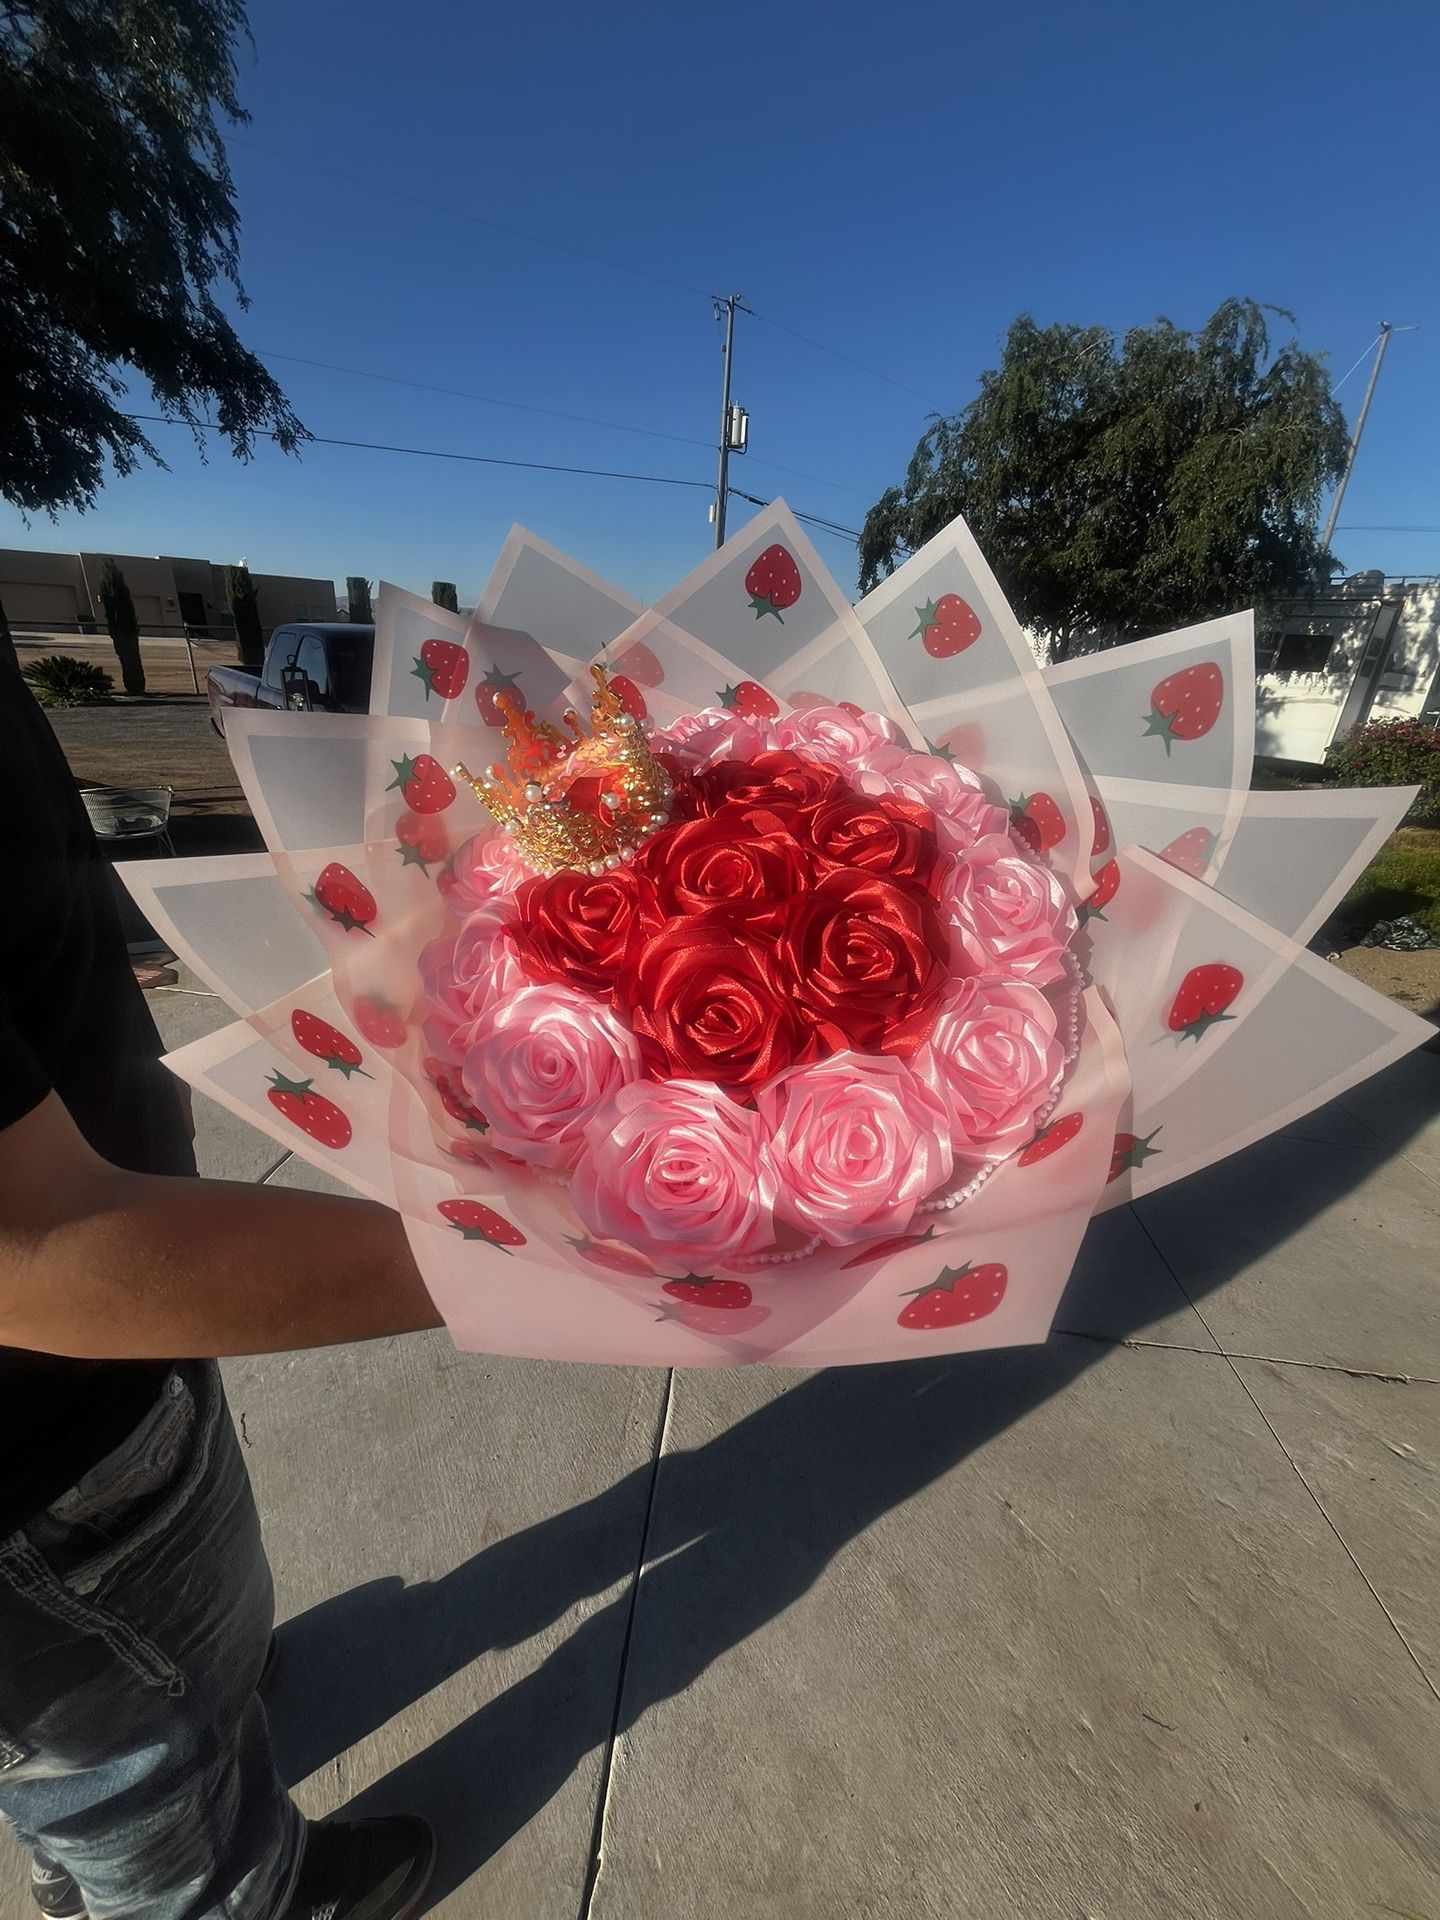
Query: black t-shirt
point(73, 1020)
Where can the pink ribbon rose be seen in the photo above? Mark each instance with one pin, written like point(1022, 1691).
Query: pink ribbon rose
point(703, 739)
point(1007, 914)
point(995, 1059)
point(835, 734)
point(488, 867)
point(679, 1170)
point(539, 1064)
point(858, 1142)
point(463, 973)
point(963, 813)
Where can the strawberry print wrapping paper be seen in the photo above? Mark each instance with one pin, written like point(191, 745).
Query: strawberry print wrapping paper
point(644, 1108)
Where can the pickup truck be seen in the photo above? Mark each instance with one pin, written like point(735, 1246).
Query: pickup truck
point(315, 667)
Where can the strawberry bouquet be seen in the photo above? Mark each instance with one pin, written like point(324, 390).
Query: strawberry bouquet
point(755, 977)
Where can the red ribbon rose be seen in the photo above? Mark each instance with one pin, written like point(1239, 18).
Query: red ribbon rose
point(777, 782)
point(881, 834)
point(579, 928)
point(708, 1002)
point(705, 863)
point(864, 959)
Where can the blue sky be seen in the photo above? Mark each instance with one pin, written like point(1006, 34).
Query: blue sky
point(896, 183)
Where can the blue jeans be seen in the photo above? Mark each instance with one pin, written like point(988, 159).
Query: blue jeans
point(135, 1614)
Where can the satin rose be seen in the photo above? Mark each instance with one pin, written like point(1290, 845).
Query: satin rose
point(679, 1170)
point(700, 739)
point(488, 867)
point(580, 929)
point(876, 834)
point(962, 811)
point(1009, 916)
point(836, 734)
point(770, 783)
point(705, 863)
point(540, 1064)
point(863, 959)
point(858, 1141)
point(465, 972)
point(995, 1059)
point(708, 1002)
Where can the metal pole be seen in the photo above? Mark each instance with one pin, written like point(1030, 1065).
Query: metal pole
point(1385, 331)
point(723, 474)
point(190, 652)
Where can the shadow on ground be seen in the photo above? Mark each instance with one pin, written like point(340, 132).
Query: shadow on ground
point(734, 1532)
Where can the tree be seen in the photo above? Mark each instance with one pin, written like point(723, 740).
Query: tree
point(1126, 485)
point(442, 592)
point(118, 232)
point(124, 625)
point(245, 610)
point(357, 598)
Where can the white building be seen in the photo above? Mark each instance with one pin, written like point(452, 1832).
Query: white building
point(1370, 648)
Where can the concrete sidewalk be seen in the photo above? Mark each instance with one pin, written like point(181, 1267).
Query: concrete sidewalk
point(1141, 1625)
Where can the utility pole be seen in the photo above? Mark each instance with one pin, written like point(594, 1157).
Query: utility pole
point(1386, 329)
point(733, 420)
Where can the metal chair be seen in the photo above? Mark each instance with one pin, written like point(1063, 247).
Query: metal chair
point(124, 816)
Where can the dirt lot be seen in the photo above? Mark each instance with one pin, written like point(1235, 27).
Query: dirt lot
point(162, 743)
point(1411, 978)
point(167, 670)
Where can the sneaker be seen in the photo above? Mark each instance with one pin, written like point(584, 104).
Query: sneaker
point(54, 1892)
point(363, 1869)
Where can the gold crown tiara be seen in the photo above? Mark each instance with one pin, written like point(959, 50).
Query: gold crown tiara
point(584, 801)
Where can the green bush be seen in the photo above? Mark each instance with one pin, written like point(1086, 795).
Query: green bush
point(59, 680)
point(1402, 879)
point(1392, 753)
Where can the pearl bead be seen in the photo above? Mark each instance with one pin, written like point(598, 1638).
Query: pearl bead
point(533, 792)
point(659, 819)
point(613, 801)
point(597, 867)
point(612, 860)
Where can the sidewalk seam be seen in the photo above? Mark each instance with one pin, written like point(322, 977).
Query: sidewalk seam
point(1316, 1501)
point(607, 1765)
point(1269, 1359)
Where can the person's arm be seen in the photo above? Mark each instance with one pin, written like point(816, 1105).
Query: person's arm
point(96, 1263)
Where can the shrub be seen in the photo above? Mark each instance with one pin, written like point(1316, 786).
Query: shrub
point(60, 680)
point(1392, 753)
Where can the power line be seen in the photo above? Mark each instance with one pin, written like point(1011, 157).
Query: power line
point(845, 359)
point(485, 399)
point(577, 253)
point(1350, 527)
point(435, 453)
point(550, 413)
point(1360, 362)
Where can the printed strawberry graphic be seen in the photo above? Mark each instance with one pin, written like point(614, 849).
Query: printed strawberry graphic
point(704, 1290)
point(613, 1259)
point(348, 901)
point(421, 840)
point(882, 1249)
point(1191, 851)
point(381, 1024)
point(959, 1295)
point(750, 700)
point(947, 626)
point(309, 1111)
point(1130, 1151)
point(773, 583)
point(640, 664)
point(1101, 843)
point(1050, 1139)
point(1107, 885)
point(327, 1043)
point(495, 681)
point(424, 785)
point(1038, 821)
point(629, 696)
point(1186, 705)
point(472, 1220)
point(1202, 998)
point(452, 1096)
point(443, 667)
